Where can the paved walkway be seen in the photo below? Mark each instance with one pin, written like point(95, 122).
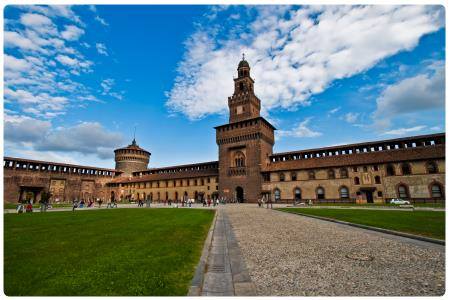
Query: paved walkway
point(291, 255)
point(225, 272)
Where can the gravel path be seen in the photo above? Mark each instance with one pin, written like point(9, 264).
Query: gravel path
point(291, 255)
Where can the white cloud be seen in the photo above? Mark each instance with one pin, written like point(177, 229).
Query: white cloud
point(86, 137)
point(403, 131)
point(33, 82)
point(101, 21)
point(411, 95)
point(65, 60)
point(107, 85)
point(40, 138)
point(351, 117)
point(294, 52)
point(300, 131)
point(72, 33)
point(35, 20)
point(39, 23)
point(24, 129)
point(15, 64)
point(74, 63)
point(13, 39)
point(333, 111)
point(101, 48)
point(42, 104)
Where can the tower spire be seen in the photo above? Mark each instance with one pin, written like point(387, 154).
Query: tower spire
point(134, 137)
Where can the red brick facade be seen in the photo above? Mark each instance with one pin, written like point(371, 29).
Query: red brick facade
point(412, 168)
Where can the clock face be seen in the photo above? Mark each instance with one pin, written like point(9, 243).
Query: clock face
point(239, 110)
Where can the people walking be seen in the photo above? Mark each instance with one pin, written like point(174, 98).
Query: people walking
point(43, 205)
point(269, 202)
point(20, 208)
point(74, 204)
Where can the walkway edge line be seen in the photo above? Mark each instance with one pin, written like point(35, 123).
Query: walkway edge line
point(387, 231)
point(197, 282)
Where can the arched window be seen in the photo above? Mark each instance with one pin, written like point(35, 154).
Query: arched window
point(402, 191)
point(311, 175)
point(377, 179)
point(390, 170)
point(297, 194)
point(331, 174)
point(343, 172)
point(356, 179)
point(406, 169)
point(241, 86)
point(281, 176)
point(320, 192)
point(432, 167)
point(293, 176)
point(239, 159)
point(436, 190)
point(343, 192)
point(277, 194)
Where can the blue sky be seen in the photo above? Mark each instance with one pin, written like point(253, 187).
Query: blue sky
point(78, 79)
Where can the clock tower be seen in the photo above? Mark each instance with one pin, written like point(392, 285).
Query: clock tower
point(243, 104)
point(245, 143)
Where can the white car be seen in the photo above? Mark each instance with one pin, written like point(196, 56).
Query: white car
point(400, 201)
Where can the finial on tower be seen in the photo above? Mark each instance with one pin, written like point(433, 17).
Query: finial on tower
point(243, 56)
point(134, 137)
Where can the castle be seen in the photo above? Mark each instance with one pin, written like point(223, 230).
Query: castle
point(247, 169)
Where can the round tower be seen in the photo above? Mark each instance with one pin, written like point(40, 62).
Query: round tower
point(131, 159)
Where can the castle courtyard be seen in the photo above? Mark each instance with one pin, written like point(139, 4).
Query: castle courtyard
point(224, 150)
point(249, 251)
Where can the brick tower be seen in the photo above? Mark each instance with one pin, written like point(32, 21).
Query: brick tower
point(131, 159)
point(245, 143)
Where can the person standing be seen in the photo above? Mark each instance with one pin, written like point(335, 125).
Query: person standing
point(74, 204)
point(42, 202)
point(269, 202)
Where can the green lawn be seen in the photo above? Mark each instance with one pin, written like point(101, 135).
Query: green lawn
point(435, 205)
point(425, 223)
point(103, 252)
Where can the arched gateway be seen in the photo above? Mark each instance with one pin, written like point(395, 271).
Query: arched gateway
point(239, 194)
